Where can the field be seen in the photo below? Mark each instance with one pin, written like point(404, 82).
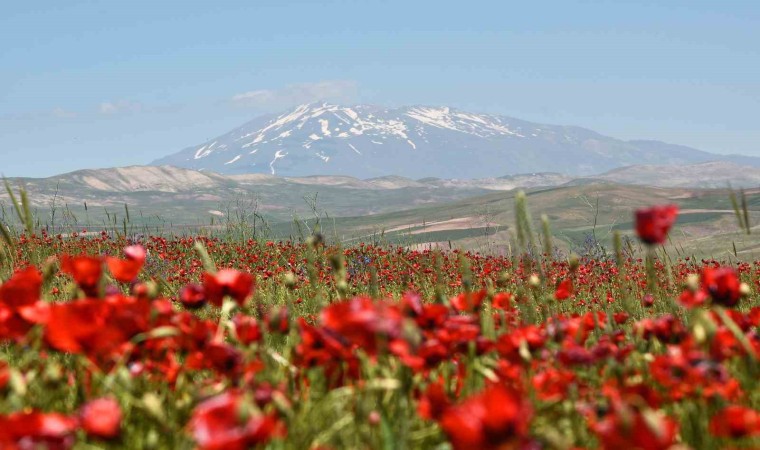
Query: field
point(223, 341)
point(475, 215)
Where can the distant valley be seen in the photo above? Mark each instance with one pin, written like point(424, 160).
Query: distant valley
point(469, 213)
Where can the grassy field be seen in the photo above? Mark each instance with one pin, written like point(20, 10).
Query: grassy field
point(349, 212)
point(222, 341)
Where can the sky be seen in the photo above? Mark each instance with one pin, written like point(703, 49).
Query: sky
point(87, 84)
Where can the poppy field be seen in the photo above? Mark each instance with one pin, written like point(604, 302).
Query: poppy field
point(210, 342)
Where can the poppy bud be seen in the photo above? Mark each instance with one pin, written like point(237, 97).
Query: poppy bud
point(574, 262)
point(289, 280)
point(692, 282)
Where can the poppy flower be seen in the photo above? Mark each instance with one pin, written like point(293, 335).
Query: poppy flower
point(97, 328)
point(5, 374)
point(433, 402)
point(37, 430)
point(626, 428)
point(22, 289)
point(224, 423)
point(502, 300)
point(20, 307)
point(653, 224)
point(564, 289)
point(722, 284)
point(192, 296)
point(101, 418)
point(126, 270)
point(468, 301)
point(227, 282)
point(494, 419)
point(246, 329)
point(86, 271)
point(736, 421)
point(364, 322)
point(691, 299)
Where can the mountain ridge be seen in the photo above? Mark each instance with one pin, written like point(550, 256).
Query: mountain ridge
point(368, 141)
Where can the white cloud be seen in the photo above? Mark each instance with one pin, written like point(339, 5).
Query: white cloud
point(63, 113)
point(121, 106)
point(341, 91)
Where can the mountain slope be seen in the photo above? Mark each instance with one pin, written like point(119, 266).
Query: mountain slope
point(714, 174)
point(416, 142)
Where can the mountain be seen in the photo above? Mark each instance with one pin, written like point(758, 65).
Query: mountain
point(714, 174)
point(416, 142)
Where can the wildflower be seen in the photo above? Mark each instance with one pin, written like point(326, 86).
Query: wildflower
point(37, 430)
point(653, 224)
point(227, 422)
point(101, 418)
point(468, 301)
point(86, 271)
point(126, 270)
point(494, 419)
point(246, 329)
point(723, 285)
point(227, 282)
point(736, 422)
point(192, 296)
point(433, 402)
point(628, 428)
point(363, 322)
point(564, 289)
point(20, 307)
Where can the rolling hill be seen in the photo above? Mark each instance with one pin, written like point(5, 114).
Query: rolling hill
point(473, 214)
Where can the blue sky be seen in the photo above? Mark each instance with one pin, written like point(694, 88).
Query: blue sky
point(100, 83)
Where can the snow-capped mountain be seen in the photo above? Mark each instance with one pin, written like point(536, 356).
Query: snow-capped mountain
point(368, 141)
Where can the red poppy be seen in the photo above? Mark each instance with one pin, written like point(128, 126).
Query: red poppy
point(433, 402)
point(364, 322)
point(227, 282)
point(691, 299)
point(653, 224)
point(246, 329)
point(126, 270)
point(722, 284)
point(34, 429)
point(227, 422)
point(553, 384)
point(192, 296)
point(502, 300)
point(468, 301)
point(736, 422)
point(101, 418)
point(98, 328)
point(74, 326)
point(22, 289)
point(564, 289)
point(627, 428)
point(494, 419)
point(20, 307)
point(86, 271)
point(223, 358)
point(5, 374)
